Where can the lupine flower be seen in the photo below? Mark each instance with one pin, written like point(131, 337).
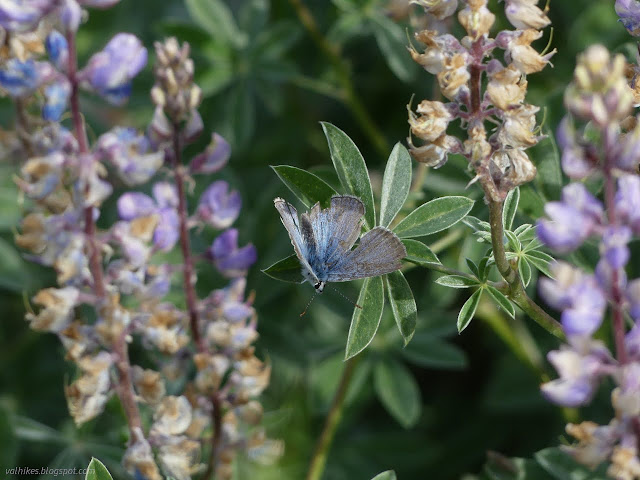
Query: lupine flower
point(627, 201)
point(56, 100)
point(629, 13)
point(19, 79)
point(131, 154)
point(218, 207)
point(524, 14)
point(230, 260)
point(21, 15)
point(440, 9)
point(70, 15)
point(214, 157)
point(110, 71)
point(58, 50)
point(570, 221)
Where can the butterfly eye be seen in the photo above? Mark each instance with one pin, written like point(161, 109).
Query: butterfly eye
point(316, 285)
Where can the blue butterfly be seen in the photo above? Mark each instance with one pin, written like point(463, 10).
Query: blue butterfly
point(322, 240)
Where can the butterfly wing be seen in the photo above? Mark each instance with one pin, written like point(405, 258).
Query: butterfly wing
point(300, 233)
point(336, 228)
point(378, 252)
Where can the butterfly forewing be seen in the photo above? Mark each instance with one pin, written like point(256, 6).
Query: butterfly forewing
point(378, 252)
point(289, 217)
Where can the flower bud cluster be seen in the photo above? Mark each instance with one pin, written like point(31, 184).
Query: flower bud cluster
point(119, 272)
point(595, 145)
point(499, 160)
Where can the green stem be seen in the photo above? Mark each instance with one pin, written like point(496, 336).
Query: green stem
point(321, 452)
point(351, 97)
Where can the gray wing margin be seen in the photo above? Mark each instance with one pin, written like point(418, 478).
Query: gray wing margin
point(289, 218)
point(380, 251)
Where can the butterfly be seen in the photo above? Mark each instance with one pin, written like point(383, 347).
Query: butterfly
point(323, 241)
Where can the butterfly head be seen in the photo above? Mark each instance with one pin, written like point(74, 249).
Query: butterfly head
point(319, 286)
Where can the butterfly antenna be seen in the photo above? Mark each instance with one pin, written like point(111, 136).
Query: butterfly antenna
point(307, 307)
point(346, 298)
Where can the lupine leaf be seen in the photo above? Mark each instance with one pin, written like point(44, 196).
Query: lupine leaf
point(473, 267)
point(510, 208)
point(305, 185)
point(351, 169)
point(562, 467)
point(388, 475)
point(525, 271)
point(398, 391)
point(366, 320)
point(432, 352)
point(468, 310)
point(97, 471)
point(456, 281)
point(286, 270)
point(419, 253)
point(395, 184)
point(392, 41)
point(502, 301)
point(434, 216)
point(403, 305)
point(541, 261)
point(216, 18)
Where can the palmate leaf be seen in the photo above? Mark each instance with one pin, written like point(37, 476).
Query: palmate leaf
point(286, 270)
point(468, 310)
point(305, 185)
point(419, 253)
point(351, 169)
point(502, 301)
point(510, 208)
point(430, 351)
point(392, 40)
point(366, 320)
point(97, 471)
point(434, 216)
point(456, 281)
point(216, 18)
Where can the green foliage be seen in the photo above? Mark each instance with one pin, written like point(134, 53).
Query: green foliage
point(97, 471)
point(366, 318)
point(398, 391)
point(388, 475)
point(434, 216)
point(395, 184)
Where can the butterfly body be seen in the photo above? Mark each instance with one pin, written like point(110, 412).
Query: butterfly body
point(323, 241)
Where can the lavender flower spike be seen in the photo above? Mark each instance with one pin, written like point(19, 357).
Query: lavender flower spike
point(629, 13)
point(22, 16)
point(214, 157)
point(110, 71)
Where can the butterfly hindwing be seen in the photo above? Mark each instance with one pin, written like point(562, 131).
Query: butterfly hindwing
point(378, 252)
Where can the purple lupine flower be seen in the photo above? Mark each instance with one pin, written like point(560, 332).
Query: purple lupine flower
point(70, 15)
point(629, 13)
point(99, 3)
point(632, 338)
point(165, 195)
point(57, 49)
point(23, 78)
point(575, 161)
point(219, 207)
point(633, 297)
point(627, 201)
point(578, 296)
point(110, 71)
point(56, 100)
point(167, 232)
point(132, 205)
point(193, 127)
point(614, 246)
point(131, 154)
point(214, 157)
point(230, 260)
point(23, 15)
point(230, 300)
point(627, 156)
point(578, 377)
point(570, 221)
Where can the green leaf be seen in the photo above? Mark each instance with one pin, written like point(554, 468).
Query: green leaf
point(546, 157)
point(525, 271)
point(388, 475)
point(365, 320)
point(351, 169)
point(392, 41)
point(434, 216)
point(419, 253)
point(510, 208)
point(484, 268)
point(403, 305)
point(562, 467)
point(431, 352)
point(456, 281)
point(468, 310)
point(395, 184)
point(240, 113)
point(476, 224)
point(502, 301)
point(286, 270)
point(273, 43)
point(97, 471)
point(473, 267)
point(541, 261)
point(398, 391)
point(216, 18)
point(14, 273)
point(305, 185)
point(513, 241)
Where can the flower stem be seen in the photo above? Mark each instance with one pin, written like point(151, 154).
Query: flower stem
point(124, 388)
point(352, 99)
point(321, 452)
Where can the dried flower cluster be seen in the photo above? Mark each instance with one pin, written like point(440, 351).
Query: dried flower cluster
point(499, 158)
point(114, 272)
point(600, 139)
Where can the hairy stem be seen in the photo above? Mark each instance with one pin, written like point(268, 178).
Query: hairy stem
point(351, 96)
point(124, 388)
point(321, 452)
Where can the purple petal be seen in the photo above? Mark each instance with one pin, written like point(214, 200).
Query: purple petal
point(165, 195)
point(166, 233)
point(218, 207)
point(134, 204)
point(629, 13)
point(214, 158)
